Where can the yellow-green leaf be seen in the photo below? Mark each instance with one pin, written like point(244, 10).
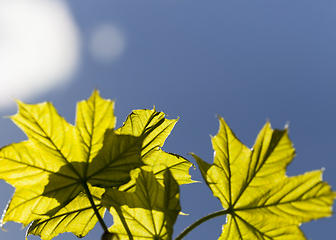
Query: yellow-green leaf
point(154, 124)
point(149, 212)
point(60, 161)
point(77, 217)
point(155, 128)
point(93, 118)
point(260, 200)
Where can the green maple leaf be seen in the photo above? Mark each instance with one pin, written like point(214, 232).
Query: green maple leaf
point(141, 123)
point(77, 217)
point(54, 170)
point(149, 212)
point(260, 200)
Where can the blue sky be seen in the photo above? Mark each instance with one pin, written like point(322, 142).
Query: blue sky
point(247, 61)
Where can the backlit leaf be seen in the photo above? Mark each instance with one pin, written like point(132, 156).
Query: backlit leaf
point(149, 212)
point(156, 128)
point(260, 200)
point(77, 217)
point(60, 162)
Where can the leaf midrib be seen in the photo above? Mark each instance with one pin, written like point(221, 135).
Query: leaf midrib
point(99, 206)
point(40, 168)
point(48, 137)
point(282, 203)
point(268, 153)
point(114, 160)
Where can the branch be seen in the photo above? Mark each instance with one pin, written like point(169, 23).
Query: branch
point(200, 221)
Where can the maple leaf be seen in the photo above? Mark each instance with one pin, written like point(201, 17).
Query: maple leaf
point(141, 123)
point(77, 217)
point(54, 170)
point(147, 213)
point(260, 201)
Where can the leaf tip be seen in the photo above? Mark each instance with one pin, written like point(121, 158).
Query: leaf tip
point(268, 123)
point(219, 117)
point(286, 125)
point(191, 153)
point(183, 214)
point(2, 228)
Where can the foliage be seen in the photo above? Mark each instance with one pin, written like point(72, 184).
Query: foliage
point(149, 212)
point(260, 200)
point(67, 176)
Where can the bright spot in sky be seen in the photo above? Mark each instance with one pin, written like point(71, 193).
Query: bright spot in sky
point(39, 48)
point(107, 43)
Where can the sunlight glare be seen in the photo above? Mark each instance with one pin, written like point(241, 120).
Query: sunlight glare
point(107, 42)
point(39, 48)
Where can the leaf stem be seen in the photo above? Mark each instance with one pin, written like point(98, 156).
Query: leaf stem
point(200, 221)
point(100, 219)
point(122, 219)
